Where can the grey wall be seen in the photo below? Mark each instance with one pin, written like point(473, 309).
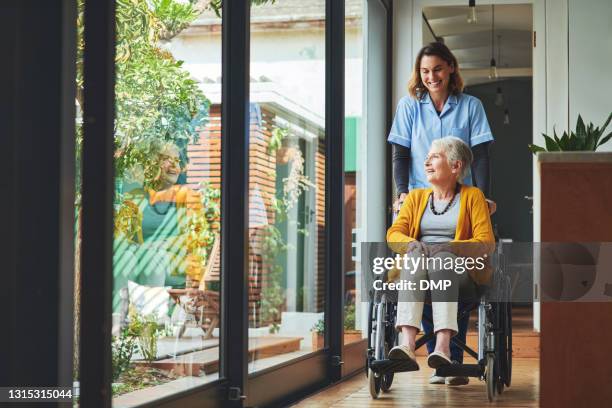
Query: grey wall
point(511, 161)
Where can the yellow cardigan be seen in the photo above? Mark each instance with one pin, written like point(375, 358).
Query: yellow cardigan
point(473, 225)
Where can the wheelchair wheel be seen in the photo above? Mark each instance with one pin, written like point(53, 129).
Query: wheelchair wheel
point(500, 386)
point(508, 371)
point(390, 342)
point(386, 379)
point(503, 347)
point(491, 379)
point(375, 383)
point(386, 382)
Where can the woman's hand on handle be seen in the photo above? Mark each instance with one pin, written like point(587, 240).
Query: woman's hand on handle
point(397, 205)
point(492, 206)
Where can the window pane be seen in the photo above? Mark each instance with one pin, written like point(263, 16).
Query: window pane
point(166, 291)
point(287, 181)
point(352, 133)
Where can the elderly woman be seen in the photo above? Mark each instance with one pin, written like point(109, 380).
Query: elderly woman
point(437, 219)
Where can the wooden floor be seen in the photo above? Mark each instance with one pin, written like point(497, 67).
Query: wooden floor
point(413, 390)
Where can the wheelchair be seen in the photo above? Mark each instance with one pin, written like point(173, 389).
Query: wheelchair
point(494, 324)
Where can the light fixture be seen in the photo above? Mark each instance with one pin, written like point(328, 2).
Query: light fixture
point(471, 17)
point(506, 117)
point(499, 98)
point(493, 67)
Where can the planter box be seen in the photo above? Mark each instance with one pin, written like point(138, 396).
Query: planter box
point(575, 207)
point(350, 336)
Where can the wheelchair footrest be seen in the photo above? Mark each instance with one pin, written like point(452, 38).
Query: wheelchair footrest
point(390, 366)
point(463, 370)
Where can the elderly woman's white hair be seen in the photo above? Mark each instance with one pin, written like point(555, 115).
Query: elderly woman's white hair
point(455, 149)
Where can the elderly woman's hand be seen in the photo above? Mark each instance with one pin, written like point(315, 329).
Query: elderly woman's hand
point(417, 248)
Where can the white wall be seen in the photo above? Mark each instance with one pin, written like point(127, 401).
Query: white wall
point(293, 59)
point(590, 62)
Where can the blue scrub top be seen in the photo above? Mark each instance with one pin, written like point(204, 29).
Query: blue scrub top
point(417, 124)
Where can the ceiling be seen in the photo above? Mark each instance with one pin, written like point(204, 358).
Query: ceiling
point(471, 43)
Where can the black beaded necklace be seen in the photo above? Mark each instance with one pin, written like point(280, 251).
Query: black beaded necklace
point(450, 203)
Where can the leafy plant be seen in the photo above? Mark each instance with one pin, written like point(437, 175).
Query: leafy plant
point(319, 327)
point(349, 317)
point(123, 347)
point(273, 293)
point(276, 139)
point(584, 138)
point(202, 227)
point(217, 5)
point(155, 97)
point(146, 330)
point(349, 320)
point(273, 244)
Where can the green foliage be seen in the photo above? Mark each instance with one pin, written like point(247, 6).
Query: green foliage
point(217, 5)
point(146, 330)
point(123, 348)
point(349, 320)
point(273, 294)
point(349, 317)
point(276, 139)
point(319, 326)
point(174, 16)
point(155, 98)
point(294, 185)
point(202, 227)
point(584, 138)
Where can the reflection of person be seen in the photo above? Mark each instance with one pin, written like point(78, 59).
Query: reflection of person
point(448, 211)
point(436, 107)
point(153, 251)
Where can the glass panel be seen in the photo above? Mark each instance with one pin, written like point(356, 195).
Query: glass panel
point(353, 111)
point(287, 181)
point(166, 261)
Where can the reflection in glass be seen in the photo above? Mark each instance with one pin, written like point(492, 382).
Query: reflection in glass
point(166, 249)
point(286, 181)
point(352, 133)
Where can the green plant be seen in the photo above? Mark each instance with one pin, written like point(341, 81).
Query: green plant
point(273, 294)
point(217, 5)
point(146, 330)
point(202, 227)
point(349, 317)
point(123, 347)
point(349, 320)
point(584, 138)
point(276, 139)
point(319, 327)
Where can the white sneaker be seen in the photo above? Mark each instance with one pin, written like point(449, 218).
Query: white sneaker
point(436, 379)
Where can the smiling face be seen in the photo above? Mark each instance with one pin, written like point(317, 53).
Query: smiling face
point(170, 166)
point(435, 74)
point(437, 169)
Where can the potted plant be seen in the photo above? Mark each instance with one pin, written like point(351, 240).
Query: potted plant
point(585, 138)
point(350, 334)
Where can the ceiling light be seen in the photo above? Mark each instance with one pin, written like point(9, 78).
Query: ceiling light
point(493, 67)
point(506, 117)
point(493, 70)
point(499, 98)
point(471, 17)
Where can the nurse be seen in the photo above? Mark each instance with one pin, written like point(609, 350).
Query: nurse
point(436, 107)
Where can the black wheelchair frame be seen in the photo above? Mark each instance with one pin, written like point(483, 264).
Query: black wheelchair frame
point(494, 355)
